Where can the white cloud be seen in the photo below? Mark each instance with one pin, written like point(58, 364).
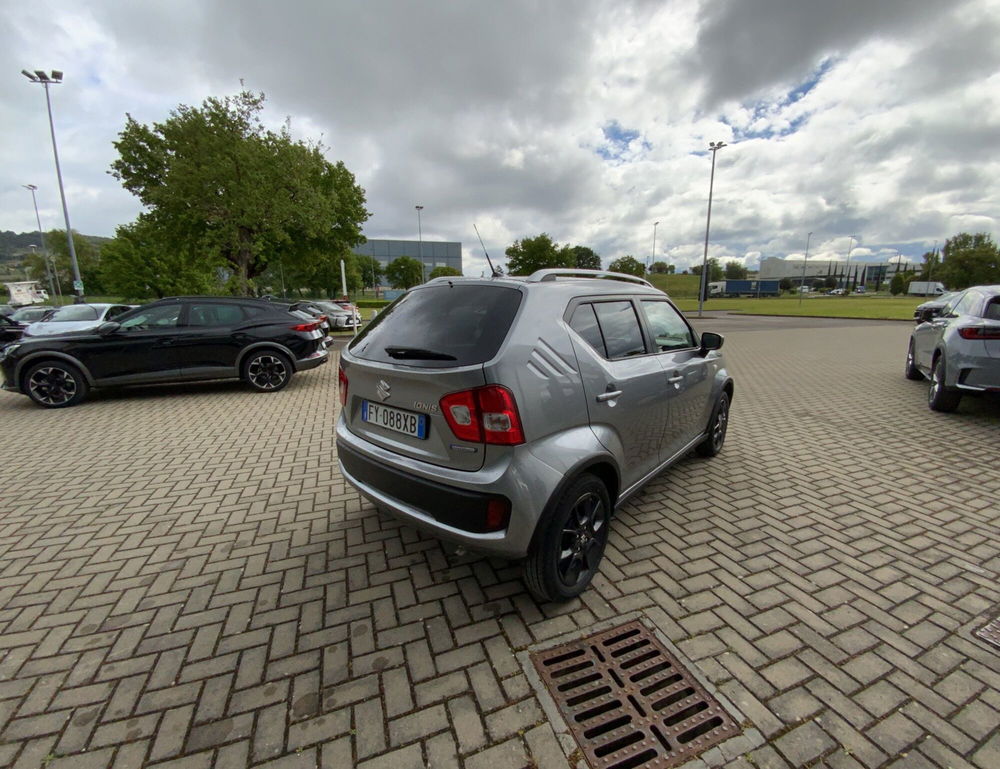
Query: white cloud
point(853, 117)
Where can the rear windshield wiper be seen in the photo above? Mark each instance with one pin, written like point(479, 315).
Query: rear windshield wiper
point(416, 353)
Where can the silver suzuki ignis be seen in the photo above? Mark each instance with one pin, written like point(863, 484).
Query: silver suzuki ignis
point(514, 415)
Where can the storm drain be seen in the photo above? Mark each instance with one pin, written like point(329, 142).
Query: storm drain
point(990, 632)
point(629, 702)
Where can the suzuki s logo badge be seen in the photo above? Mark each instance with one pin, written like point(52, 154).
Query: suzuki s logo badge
point(383, 389)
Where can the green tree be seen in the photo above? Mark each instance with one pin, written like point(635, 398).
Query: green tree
point(735, 270)
point(662, 268)
point(371, 270)
point(404, 272)
point(585, 258)
point(88, 258)
point(443, 271)
point(969, 260)
point(898, 284)
point(537, 253)
point(216, 181)
point(715, 272)
point(629, 265)
point(785, 284)
point(138, 264)
point(830, 282)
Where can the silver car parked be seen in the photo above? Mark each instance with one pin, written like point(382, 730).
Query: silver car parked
point(76, 317)
point(513, 415)
point(958, 349)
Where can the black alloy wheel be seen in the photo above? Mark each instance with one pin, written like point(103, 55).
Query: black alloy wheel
point(717, 426)
point(54, 384)
point(568, 550)
point(267, 371)
point(911, 371)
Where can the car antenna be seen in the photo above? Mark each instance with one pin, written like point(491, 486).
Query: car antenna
point(493, 270)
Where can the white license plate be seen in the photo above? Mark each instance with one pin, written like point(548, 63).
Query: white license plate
point(397, 420)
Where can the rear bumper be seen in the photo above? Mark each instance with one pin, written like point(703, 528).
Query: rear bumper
point(318, 358)
point(984, 376)
point(449, 504)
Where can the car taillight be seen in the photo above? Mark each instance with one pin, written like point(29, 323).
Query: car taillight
point(979, 332)
point(306, 326)
point(342, 382)
point(484, 415)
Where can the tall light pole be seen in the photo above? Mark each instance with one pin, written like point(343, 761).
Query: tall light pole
point(45, 257)
point(714, 147)
point(40, 76)
point(652, 254)
point(802, 285)
point(847, 268)
point(420, 244)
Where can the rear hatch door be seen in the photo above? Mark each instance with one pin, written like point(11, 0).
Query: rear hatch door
point(432, 341)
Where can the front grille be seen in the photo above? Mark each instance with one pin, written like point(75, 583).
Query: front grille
point(629, 702)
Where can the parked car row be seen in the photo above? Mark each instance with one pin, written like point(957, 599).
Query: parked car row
point(171, 340)
point(956, 346)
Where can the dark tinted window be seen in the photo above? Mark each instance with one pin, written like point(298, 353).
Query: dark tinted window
point(620, 328)
point(584, 322)
point(214, 315)
point(992, 311)
point(160, 316)
point(440, 326)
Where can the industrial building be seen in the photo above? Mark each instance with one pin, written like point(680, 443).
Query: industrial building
point(431, 253)
point(865, 273)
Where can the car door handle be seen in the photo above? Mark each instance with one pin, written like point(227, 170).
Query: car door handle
point(675, 379)
point(166, 342)
point(608, 396)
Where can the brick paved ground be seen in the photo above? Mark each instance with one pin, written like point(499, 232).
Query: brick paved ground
point(185, 581)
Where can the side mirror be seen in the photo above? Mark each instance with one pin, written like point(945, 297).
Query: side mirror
point(108, 328)
point(711, 341)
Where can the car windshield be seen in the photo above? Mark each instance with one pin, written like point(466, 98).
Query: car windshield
point(75, 312)
point(30, 313)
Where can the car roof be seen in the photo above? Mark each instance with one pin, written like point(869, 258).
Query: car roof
point(555, 284)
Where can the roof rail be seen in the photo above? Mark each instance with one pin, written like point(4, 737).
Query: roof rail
point(542, 275)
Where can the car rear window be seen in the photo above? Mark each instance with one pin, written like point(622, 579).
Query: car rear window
point(440, 326)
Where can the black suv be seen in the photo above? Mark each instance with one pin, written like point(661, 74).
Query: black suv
point(172, 340)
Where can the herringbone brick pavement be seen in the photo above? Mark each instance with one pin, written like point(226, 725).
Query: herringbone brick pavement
point(185, 581)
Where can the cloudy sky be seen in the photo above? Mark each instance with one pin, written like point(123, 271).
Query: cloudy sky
point(586, 120)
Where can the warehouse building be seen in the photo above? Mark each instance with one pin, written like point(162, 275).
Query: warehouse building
point(431, 253)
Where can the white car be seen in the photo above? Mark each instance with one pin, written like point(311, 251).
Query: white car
point(75, 317)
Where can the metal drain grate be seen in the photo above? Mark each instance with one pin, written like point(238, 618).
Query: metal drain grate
point(990, 632)
point(629, 702)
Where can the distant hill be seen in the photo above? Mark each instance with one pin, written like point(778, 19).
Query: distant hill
point(13, 245)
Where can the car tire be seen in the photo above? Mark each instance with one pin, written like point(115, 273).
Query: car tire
point(718, 424)
point(911, 371)
point(267, 371)
point(939, 397)
point(568, 550)
point(55, 384)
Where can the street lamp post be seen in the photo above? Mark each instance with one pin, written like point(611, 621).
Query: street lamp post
point(847, 267)
point(652, 254)
point(45, 79)
point(45, 257)
point(420, 244)
point(714, 147)
point(802, 285)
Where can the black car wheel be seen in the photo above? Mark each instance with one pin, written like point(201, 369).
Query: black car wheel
point(567, 552)
point(55, 384)
point(939, 397)
point(267, 370)
point(912, 372)
point(717, 427)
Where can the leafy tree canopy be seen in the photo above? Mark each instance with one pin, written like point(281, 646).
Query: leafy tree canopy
point(715, 272)
point(969, 260)
point(629, 265)
point(87, 258)
point(537, 253)
point(443, 271)
point(371, 270)
point(662, 268)
point(735, 270)
point(404, 272)
point(216, 181)
point(585, 258)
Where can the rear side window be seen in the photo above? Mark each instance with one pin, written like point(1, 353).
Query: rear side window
point(993, 309)
point(440, 327)
point(620, 329)
point(214, 315)
point(584, 322)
